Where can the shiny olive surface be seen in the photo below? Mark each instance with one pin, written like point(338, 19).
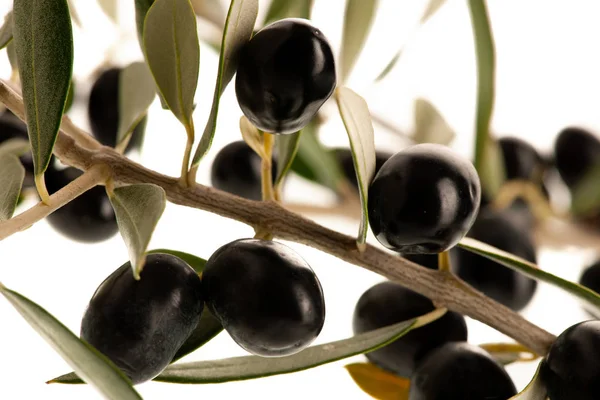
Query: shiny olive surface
point(388, 303)
point(89, 218)
point(571, 370)
point(284, 75)
point(103, 111)
point(424, 199)
point(13, 128)
point(344, 157)
point(502, 284)
point(460, 371)
point(237, 170)
point(575, 152)
point(140, 325)
point(591, 279)
point(265, 295)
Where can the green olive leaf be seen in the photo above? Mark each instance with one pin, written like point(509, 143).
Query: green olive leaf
point(589, 298)
point(485, 161)
point(138, 209)
point(111, 9)
point(379, 383)
point(251, 367)
point(316, 163)
point(389, 67)
point(358, 18)
point(357, 120)
point(173, 54)
point(210, 10)
point(238, 30)
point(430, 126)
point(12, 174)
point(431, 9)
point(141, 9)
point(44, 45)
point(193, 261)
point(89, 363)
point(535, 390)
point(6, 30)
point(287, 147)
point(280, 9)
point(585, 196)
point(492, 173)
point(17, 147)
point(136, 94)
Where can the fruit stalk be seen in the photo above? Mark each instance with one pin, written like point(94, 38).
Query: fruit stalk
point(266, 174)
point(441, 288)
point(189, 128)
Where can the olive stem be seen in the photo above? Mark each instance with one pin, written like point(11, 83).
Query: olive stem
point(95, 175)
point(189, 128)
point(40, 184)
point(444, 263)
point(441, 288)
point(266, 173)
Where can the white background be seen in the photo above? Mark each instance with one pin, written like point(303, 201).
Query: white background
point(547, 78)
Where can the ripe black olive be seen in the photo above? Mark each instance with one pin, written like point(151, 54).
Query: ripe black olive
point(284, 75)
point(591, 279)
point(521, 160)
point(388, 303)
point(502, 284)
point(140, 325)
point(266, 296)
point(424, 199)
point(571, 369)
point(460, 371)
point(237, 170)
point(344, 157)
point(103, 111)
point(89, 218)
point(576, 151)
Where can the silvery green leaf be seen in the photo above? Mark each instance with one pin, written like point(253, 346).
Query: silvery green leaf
point(12, 174)
point(280, 9)
point(16, 147)
point(358, 18)
point(6, 30)
point(136, 94)
point(138, 209)
point(389, 67)
point(430, 126)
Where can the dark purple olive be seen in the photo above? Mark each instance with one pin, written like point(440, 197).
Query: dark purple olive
point(344, 157)
point(284, 75)
point(521, 160)
point(576, 151)
point(140, 325)
point(591, 279)
point(266, 296)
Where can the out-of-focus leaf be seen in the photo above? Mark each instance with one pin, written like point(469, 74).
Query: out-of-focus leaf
point(378, 383)
point(287, 147)
point(492, 172)
point(431, 9)
point(12, 174)
point(16, 147)
point(280, 9)
point(6, 30)
point(357, 120)
point(508, 353)
point(535, 390)
point(585, 196)
point(389, 67)
point(74, 14)
point(210, 10)
point(238, 30)
point(141, 9)
point(136, 94)
point(430, 126)
point(12, 58)
point(359, 16)
point(138, 209)
point(110, 8)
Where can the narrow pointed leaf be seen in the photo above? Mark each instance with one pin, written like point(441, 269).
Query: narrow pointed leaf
point(280, 9)
point(378, 383)
point(492, 173)
point(430, 126)
point(110, 8)
point(6, 30)
point(590, 299)
point(195, 262)
point(136, 94)
point(535, 390)
point(431, 9)
point(138, 209)
point(90, 364)
point(12, 174)
point(252, 136)
point(250, 367)
point(141, 10)
point(389, 67)
point(238, 30)
point(357, 120)
point(585, 197)
point(44, 45)
point(210, 10)
point(358, 18)
point(486, 72)
point(287, 147)
point(315, 162)
point(173, 54)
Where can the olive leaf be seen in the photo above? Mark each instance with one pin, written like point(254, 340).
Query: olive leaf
point(110, 8)
point(585, 196)
point(136, 94)
point(508, 353)
point(430, 126)
point(253, 137)
point(250, 367)
point(590, 298)
point(431, 9)
point(314, 162)
point(210, 10)
point(493, 172)
point(6, 30)
point(238, 30)
point(89, 363)
point(287, 147)
point(172, 51)
point(44, 45)
point(357, 120)
point(141, 10)
point(358, 18)
point(138, 209)
point(389, 67)
point(193, 261)
point(12, 174)
point(280, 9)
point(16, 147)
point(485, 161)
point(12, 58)
point(378, 383)
point(535, 390)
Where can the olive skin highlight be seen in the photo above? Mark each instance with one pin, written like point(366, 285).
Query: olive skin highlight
point(140, 324)
point(284, 75)
point(265, 295)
